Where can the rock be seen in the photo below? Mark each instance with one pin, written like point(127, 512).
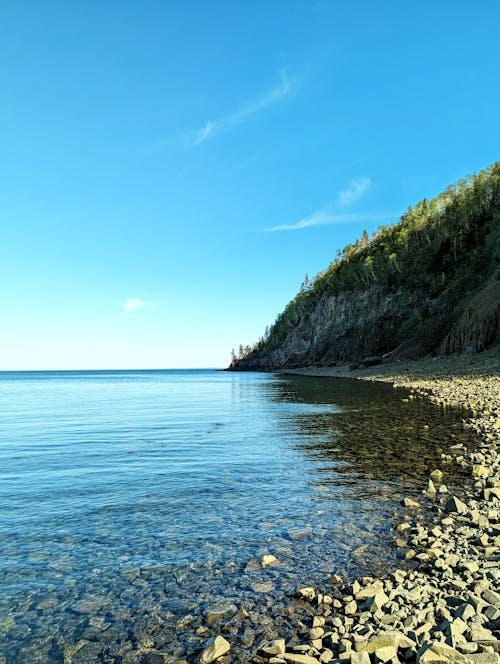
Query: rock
point(220, 611)
point(491, 597)
point(403, 527)
point(216, 648)
point(91, 604)
point(276, 647)
point(299, 534)
point(350, 608)
point(411, 504)
point(430, 489)
point(316, 633)
point(452, 559)
point(376, 602)
point(469, 565)
point(465, 611)
point(248, 638)
point(385, 654)
point(361, 657)
point(399, 575)
point(299, 658)
point(491, 493)
point(369, 591)
point(479, 471)
point(392, 639)
point(478, 633)
point(484, 658)
point(467, 648)
point(307, 593)
point(454, 504)
point(242, 614)
point(262, 587)
point(439, 653)
point(436, 475)
point(252, 565)
point(457, 627)
point(269, 561)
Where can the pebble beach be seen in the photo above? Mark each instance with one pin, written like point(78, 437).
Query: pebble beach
point(447, 608)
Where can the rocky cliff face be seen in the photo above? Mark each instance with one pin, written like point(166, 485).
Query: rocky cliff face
point(429, 284)
point(370, 324)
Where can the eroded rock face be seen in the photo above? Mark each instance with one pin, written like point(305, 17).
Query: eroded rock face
point(369, 323)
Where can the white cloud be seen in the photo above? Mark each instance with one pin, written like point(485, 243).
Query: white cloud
point(134, 304)
point(334, 214)
point(213, 127)
point(357, 188)
point(325, 217)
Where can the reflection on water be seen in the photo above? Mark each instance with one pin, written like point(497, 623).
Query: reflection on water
point(134, 501)
point(376, 435)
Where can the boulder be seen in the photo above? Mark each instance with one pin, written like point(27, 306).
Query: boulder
point(215, 649)
point(439, 653)
point(454, 504)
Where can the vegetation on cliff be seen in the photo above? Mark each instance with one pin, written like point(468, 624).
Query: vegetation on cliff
point(448, 246)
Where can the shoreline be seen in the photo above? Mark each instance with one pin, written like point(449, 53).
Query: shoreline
point(448, 608)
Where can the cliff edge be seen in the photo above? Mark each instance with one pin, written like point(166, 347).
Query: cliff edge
point(428, 285)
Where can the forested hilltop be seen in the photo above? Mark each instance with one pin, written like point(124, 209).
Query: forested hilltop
point(426, 285)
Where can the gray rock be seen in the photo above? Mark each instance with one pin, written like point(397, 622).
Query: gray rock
point(361, 657)
point(385, 654)
point(307, 593)
point(491, 597)
point(454, 504)
point(220, 611)
point(369, 591)
point(484, 658)
point(299, 658)
point(215, 649)
point(276, 647)
point(377, 602)
point(439, 653)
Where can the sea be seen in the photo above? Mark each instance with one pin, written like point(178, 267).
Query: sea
point(136, 506)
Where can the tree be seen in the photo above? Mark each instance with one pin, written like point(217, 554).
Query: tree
point(306, 284)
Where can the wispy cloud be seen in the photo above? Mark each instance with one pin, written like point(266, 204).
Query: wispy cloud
point(134, 304)
point(334, 213)
point(327, 216)
point(357, 188)
point(212, 128)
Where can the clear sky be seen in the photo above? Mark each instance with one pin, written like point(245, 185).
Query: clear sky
point(170, 171)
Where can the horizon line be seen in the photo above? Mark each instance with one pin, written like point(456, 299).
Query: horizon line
point(104, 370)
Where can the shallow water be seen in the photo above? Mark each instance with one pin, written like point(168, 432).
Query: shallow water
point(133, 502)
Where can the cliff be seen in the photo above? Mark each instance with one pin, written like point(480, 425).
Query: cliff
point(428, 285)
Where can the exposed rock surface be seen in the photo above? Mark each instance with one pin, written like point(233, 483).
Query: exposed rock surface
point(367, 324)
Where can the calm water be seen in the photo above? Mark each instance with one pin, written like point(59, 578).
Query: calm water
point(133, 502)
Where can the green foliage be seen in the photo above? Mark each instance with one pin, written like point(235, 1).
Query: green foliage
point(440, 246)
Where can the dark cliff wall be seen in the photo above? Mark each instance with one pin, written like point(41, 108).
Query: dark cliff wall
point(373, 323)
point(428, 285)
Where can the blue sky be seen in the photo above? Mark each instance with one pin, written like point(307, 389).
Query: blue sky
point(170, 171)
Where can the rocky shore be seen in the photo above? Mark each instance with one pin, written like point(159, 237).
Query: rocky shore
point(446, 609)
